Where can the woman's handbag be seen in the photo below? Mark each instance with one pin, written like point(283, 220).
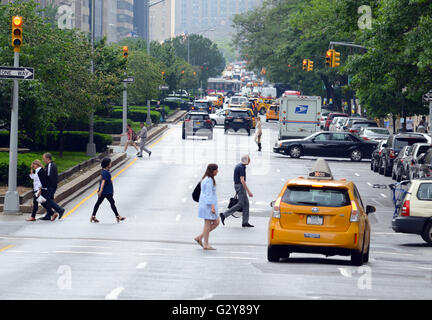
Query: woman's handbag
point(41, 199)
point(197, 192)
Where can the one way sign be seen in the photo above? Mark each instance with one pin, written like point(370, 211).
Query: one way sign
point(16, 73)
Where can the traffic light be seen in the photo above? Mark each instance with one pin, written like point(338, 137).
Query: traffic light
point(305, 64)
point(125, 51)
point(17, 23)
point(310, 65)
point(336, 59)
point(329, 58)
point(163, 75)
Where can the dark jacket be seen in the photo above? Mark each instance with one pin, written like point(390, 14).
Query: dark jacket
point(42, 174)
point(53, 175)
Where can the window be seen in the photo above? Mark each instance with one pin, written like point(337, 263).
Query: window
point(339, 137)
point(320, 197)
point(322, 137)
point(425, 192)
point(357, 195)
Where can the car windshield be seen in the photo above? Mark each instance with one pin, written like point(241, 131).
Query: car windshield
point(402, 142)
point(198, 117)
point(320, 197)
point(239, 114)
point(201, 104)
point(377, 131)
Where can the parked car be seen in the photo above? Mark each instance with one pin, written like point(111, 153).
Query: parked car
point(358, 125)
point(330, 118)
point(237, 120)
point(415, 215)
point(323, 119)
point(378, 134)
point(412, 160)
point(398, 171)
point(349, 122)
point(393, 146)
point(197, 123)
point(376, 156)
point(327, 144)
point(423, 166)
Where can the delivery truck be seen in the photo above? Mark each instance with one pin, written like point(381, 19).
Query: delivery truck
point(299, 116)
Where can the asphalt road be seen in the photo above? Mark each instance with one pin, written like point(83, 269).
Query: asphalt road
point(152, 255)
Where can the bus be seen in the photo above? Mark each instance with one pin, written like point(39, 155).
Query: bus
point(219, 85)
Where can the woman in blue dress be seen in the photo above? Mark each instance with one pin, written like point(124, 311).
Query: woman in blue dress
point(208, 206)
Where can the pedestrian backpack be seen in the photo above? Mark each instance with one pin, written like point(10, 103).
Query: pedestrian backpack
point(197, 192)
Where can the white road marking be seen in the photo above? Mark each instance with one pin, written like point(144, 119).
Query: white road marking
point(155, 254)
point(178, 217)
point(369, 184)
point(346, 272)
point(113, 295)
point(96, 247)
point(142, 265)
point(394, 253)
point(356, 174)
point(239, 258)
point(84, 252)
point(383, 195)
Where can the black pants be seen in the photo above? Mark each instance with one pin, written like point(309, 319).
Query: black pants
point(53, 205)
point(101, 199)
point(45, 204)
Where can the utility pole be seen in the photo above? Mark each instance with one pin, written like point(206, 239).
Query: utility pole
point(91, 147)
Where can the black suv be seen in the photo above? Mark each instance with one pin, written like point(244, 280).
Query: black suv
point(197, 123)
point(393, 146)
point(237, 120)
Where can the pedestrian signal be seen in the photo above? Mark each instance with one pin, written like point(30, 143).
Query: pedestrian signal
point(17, 23)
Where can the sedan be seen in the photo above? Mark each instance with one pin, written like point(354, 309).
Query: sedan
point(218, 118)
point(327, 144)
point(377, 134)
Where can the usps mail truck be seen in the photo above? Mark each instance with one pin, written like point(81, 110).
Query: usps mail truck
point(299, 116)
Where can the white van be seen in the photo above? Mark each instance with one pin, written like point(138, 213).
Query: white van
point(299, 116)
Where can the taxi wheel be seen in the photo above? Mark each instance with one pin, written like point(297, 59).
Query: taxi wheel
point(183, 135)
point(357, 258)
point(427, 233)
point(273, 254)
point(366, 255)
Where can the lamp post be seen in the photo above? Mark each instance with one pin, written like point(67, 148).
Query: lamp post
point(91, 147)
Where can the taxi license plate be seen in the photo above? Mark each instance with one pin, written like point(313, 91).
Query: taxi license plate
point(315, 220)
point(238, 120)
point(198, 123)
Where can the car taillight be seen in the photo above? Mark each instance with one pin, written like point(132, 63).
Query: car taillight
point(187, 120)
point(406, 209)
point(355, 213)
point(208, 121)
point(366, 138)
point(380, 152)
point(392, 155)
point(228, 118)
point(276, 209)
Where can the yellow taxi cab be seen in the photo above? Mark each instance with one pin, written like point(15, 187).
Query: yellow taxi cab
point(320, 215)
point(264, 105)
point(273, 113)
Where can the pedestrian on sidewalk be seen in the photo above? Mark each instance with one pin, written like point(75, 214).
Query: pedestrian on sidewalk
point(258, 133)
point(37, 167)
point(131, 138)
point(52, 177)
point(143, 136)
point(242, 191)
point(106, 191)
point(208, 206)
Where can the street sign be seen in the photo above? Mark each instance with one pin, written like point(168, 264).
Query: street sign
point(16, 73)
point(129, 80)
point(163, 88)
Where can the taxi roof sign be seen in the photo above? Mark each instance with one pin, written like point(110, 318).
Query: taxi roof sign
point(321, 171)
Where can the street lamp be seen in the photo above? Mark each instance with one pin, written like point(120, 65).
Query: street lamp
point(91, 147)
point(149, 121)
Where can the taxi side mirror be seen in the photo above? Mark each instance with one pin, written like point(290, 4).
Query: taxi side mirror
point(272, 204)
point(370, 209)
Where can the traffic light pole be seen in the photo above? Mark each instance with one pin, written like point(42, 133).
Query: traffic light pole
point(124, 138)
point(91, 146)
point(11, 204)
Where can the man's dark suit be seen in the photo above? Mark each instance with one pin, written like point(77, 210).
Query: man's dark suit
point(45, 193)
point(52, 179)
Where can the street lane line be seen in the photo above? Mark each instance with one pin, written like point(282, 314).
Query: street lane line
point(356, 174)
point(113, 295)
point(85, 252)
point(5, 248)
point(120, 172)
point(142, 265)
point(369, 184)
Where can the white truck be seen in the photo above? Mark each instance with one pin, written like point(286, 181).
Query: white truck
point(299, 116)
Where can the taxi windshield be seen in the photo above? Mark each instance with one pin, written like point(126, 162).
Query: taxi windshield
point(319, 197)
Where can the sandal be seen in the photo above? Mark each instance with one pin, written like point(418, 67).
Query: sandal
point(209, 248)
point(199, 242)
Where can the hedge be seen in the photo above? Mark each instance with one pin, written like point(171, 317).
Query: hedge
point(72, 141)
point(136, 115)
point(22, 174)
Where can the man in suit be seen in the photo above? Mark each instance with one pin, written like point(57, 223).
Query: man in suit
point(52, 177)
point(44, 193)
